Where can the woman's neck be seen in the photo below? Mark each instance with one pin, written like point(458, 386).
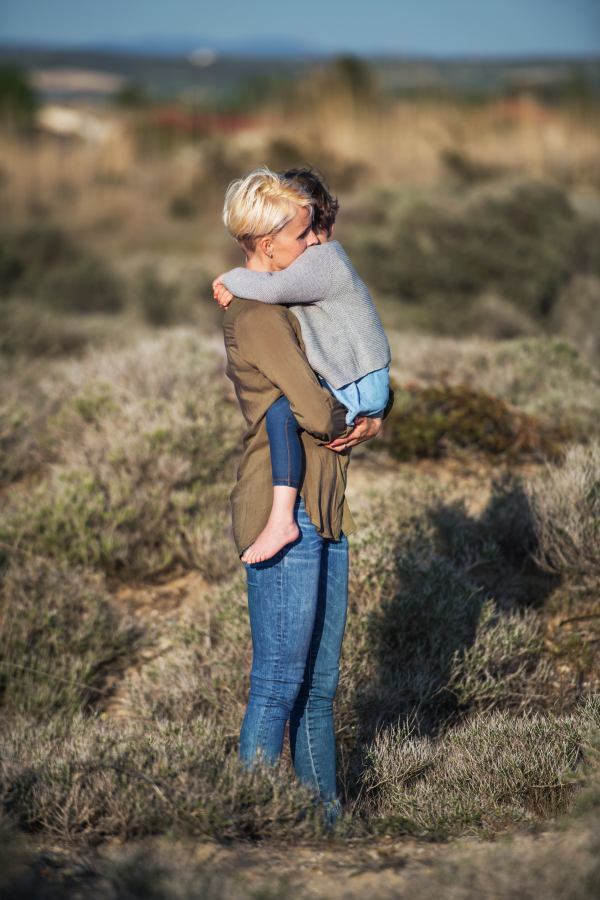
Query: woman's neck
point(259, 262)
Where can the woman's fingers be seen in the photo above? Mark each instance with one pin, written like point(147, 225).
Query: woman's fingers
point(364, 429)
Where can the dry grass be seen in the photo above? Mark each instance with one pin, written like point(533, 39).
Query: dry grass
point(491, 773)
point(107, 781)
point(58, 632)
point(566, 506)
point(142, 457)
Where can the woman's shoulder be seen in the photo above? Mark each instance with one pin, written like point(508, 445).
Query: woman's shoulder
point(251, 316)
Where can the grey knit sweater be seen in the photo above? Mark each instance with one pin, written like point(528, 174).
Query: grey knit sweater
point(341, 330)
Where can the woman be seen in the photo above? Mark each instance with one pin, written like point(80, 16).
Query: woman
point(297, 599)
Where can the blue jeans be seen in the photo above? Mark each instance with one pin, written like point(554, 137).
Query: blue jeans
point(284, 444)
point(297, 602)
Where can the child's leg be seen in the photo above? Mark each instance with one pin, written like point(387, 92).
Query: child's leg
point(286, 465)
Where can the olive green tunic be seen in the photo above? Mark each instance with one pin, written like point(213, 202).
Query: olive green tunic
point(265, 359)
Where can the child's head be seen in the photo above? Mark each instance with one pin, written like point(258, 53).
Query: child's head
point(261, 204)
point(326, 205)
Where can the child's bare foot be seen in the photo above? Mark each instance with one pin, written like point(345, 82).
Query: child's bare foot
point(271, 540)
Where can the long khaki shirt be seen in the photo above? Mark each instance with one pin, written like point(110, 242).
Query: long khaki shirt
point(265, 359)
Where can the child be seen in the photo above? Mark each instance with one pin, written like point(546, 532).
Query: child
point(344, 341)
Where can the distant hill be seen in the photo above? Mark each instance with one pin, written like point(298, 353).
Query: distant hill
point(183, 46)
point(164, 67)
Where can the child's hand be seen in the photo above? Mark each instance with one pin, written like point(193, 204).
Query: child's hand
point(220, 292)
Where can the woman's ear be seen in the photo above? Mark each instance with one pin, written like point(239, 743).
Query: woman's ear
point(266, 245)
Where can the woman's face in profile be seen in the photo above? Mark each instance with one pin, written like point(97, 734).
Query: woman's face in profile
point(293, 240)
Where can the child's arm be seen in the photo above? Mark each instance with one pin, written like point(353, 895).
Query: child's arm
point(306, 280)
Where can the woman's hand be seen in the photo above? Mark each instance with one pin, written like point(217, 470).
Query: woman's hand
point(220, 292)
point(364, 429)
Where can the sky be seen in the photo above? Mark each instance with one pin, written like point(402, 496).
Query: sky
point(444, 28)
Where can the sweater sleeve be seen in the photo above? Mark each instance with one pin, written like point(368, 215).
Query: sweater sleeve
point(269, 343)
point(306, 280)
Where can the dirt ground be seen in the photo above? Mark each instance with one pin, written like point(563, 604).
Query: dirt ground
point(545, 864)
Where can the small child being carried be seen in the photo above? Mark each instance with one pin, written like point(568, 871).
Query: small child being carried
point(344, 341)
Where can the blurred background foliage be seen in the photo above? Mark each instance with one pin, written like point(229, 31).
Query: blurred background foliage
point(468, 192)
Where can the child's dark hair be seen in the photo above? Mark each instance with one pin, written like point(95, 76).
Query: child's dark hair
point(326, 205)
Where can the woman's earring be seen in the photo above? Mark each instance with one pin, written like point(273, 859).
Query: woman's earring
point(270, 256)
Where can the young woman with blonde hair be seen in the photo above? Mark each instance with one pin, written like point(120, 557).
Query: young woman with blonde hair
point(298, 598)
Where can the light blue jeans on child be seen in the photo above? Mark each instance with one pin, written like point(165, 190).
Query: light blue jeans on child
point(368, 396)
point(297, 602)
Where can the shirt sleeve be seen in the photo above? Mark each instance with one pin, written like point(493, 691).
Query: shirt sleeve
point(306, 280)
point(270, 344)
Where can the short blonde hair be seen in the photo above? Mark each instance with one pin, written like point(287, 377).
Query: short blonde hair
point(262, 203)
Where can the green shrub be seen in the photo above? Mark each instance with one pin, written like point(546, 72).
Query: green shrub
point(427, 422)
point(28, 331)
point(45, 264)
point(18, 100)
point(27, 254)
point(182, 206)
point(544, 376)
point(157, 300)
point(139, 504)
point(503, 667)
point(398, 657)
point(440, 620)
point(520, 243)
point(88, 286)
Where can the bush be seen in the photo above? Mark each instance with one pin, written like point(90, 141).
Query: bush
point(427, 422)
point(28, 331)
point(566, 514)
point(158, 300)
point(27, 254)
point(521, 243)
point(88, 286)
point(93, 782)
point(46, 265)
point(142, 469)
point(397, 658)
point(440, 623)
point(59, 629)
point(576, 315)
point(503, 666)
point(18, 101)
point(24, 412)
point(491, 773)
point(545, 377)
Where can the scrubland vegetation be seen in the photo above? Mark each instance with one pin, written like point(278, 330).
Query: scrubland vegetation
point(468, 697)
